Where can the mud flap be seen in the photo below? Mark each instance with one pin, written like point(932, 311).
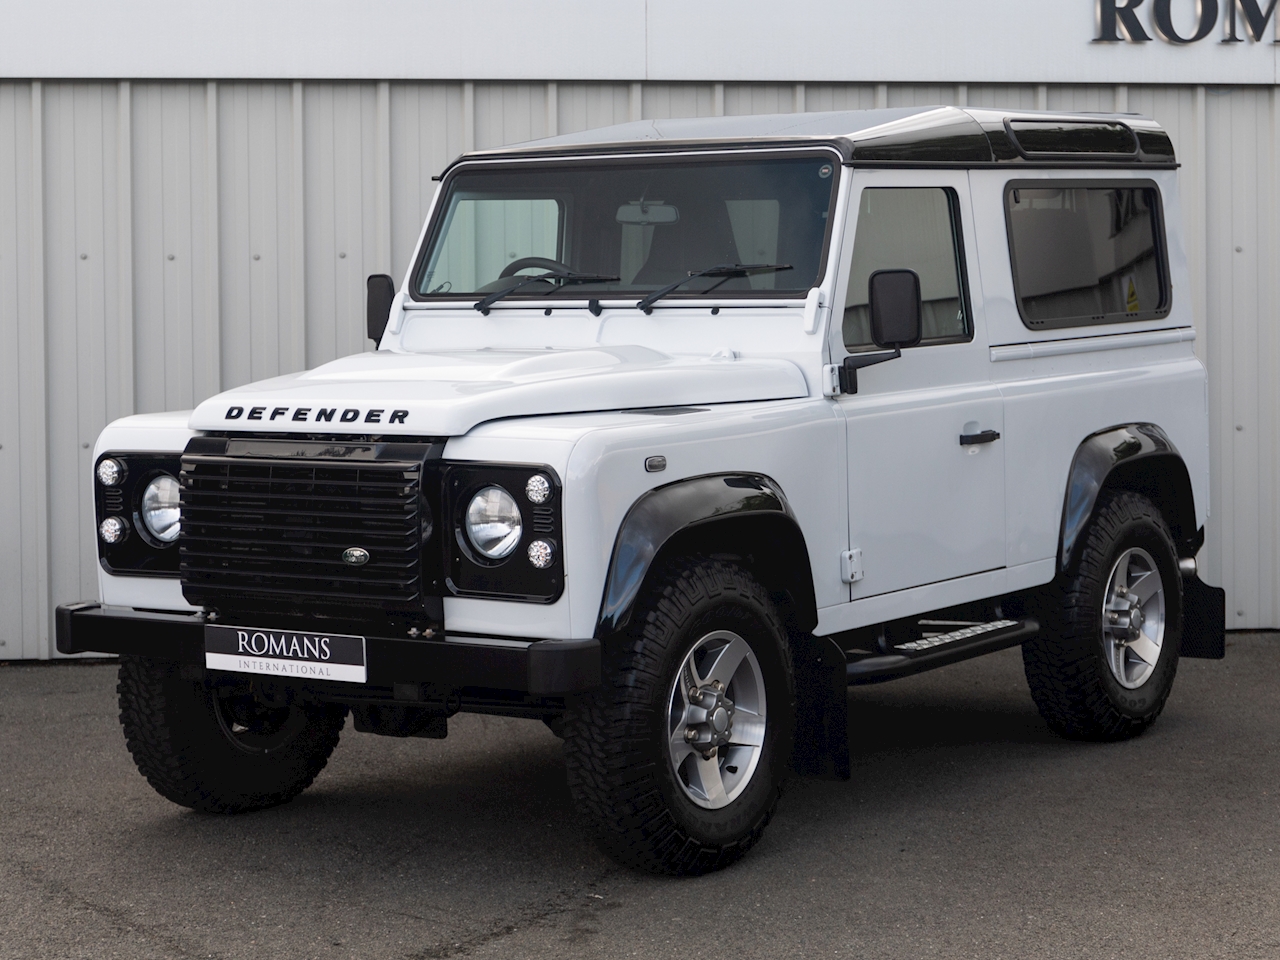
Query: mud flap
point(1204, 620)
point(821, 746)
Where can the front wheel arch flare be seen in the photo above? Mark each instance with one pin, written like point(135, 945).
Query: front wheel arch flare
point(716, 514)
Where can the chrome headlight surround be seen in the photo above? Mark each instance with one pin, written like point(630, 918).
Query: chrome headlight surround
point(141, 551)
point(499, 511)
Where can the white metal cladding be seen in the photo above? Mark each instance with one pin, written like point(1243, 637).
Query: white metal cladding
point(161, 241)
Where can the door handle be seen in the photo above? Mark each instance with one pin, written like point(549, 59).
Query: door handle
point(986, 436)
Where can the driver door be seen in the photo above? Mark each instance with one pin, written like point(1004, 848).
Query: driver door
point(925, 505)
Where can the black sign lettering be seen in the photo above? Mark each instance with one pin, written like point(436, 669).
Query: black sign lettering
point(234, 413)
point(301, 413)
point(398, 416)
point(1254, 18)
point(279, 412)
point(373, 416)
point(325, 413)
point(349, 416)
point(1113, 13)
point(256, 413)
point(1163, 18)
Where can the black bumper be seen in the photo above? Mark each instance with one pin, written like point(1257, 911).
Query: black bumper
point(542, 668)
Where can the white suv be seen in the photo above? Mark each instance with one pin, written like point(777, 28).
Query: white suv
point(675, 430)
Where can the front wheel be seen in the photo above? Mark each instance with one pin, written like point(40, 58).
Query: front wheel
point(221, 747)
point(1105, 665)
point(675, 761)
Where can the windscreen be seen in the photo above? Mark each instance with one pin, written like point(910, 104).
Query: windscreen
point(601, 229)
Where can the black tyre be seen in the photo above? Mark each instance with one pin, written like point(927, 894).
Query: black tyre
point(676, 760)
point(1105, 663)
point(218, 747)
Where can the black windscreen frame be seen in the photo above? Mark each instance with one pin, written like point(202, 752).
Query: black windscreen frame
point(1160, 245)
point(438, 214)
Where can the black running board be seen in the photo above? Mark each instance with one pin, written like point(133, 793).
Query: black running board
point(930, 652)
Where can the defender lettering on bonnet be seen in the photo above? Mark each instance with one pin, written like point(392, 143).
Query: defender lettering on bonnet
point(319, 414)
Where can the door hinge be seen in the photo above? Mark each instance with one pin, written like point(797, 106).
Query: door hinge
point(851, 566)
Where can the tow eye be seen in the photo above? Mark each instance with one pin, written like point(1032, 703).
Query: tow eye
point(708, 718)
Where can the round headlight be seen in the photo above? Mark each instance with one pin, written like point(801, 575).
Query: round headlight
point(113, 529)
point(160, 508)
point(493, 523)
point(110, 472)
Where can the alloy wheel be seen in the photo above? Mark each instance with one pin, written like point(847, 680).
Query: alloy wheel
point(716, 719)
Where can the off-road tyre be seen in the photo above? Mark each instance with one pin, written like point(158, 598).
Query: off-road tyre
point(620, 773)
point(179, 743)
point(1066, 667)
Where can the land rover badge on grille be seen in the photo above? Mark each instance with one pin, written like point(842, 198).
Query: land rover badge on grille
point(355, 556)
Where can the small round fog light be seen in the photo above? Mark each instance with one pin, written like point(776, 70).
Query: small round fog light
point(538, 489)
point(110, 472)
point(541, 554)
point(113, 530)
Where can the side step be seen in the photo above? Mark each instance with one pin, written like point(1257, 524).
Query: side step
point(941, 649)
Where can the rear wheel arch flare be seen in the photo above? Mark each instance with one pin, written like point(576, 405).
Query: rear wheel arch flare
point(1138, 457)
point(746, 515)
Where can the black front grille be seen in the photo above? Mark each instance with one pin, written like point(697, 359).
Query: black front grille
point(257, 530)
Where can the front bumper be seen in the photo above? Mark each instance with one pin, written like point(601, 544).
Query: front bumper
point(537, 668)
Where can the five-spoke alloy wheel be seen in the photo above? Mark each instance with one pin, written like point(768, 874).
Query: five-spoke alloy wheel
point(222, 746)
point(1104, 664)
point(1133, 618)
point(675, 761)
point(717, 719)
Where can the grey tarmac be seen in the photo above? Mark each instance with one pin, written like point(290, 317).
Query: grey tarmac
point(967, 830)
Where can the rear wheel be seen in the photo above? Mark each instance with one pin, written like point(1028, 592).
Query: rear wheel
point(222, 747)
point(1105, 664)
point(675, 761)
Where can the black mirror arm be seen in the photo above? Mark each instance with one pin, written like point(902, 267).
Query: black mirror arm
point(852, 364)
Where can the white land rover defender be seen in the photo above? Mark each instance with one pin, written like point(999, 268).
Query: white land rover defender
point(675, 430)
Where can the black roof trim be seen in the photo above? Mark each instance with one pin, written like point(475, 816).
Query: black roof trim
point(626, 147)
point(917, 137)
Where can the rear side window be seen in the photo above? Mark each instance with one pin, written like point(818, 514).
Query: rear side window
point(1087, 253)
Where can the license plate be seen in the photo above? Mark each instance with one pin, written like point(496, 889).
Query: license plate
point(285, 653)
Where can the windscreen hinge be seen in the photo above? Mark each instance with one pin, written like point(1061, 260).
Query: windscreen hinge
point(815, 310)
point(831, 380)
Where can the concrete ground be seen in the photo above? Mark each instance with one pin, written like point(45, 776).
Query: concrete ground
point(968, 830)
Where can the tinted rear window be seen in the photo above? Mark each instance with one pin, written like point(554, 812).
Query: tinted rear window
point(1087, 254)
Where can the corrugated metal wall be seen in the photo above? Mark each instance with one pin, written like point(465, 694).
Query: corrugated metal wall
point(162, 241)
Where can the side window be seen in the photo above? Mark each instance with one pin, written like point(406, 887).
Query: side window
point(909, 228)
point(1086, 254)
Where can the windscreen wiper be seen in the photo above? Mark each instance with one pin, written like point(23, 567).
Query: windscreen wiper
point(564, 277)
point(727, 271)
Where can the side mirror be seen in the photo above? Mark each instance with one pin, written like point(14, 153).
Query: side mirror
point(895, 305)
point(894, 299)
point(382, 290)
